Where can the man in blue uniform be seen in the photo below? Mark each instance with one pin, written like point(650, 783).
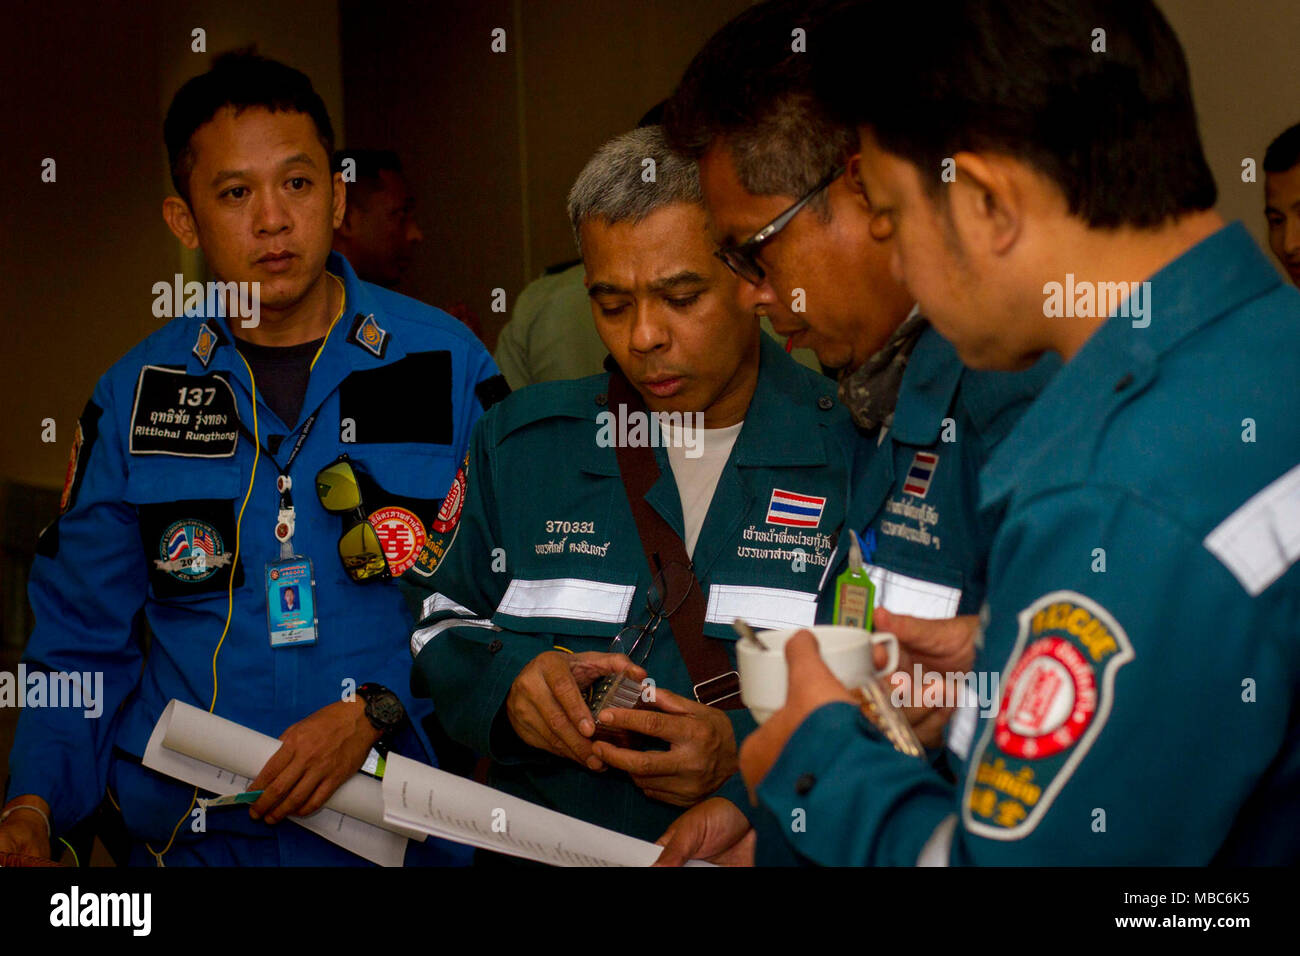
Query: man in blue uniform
point(781, 182)
point(545, 581)
point(1143, 583)
point(192, 503)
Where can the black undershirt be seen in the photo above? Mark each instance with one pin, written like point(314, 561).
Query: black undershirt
point(280, 374)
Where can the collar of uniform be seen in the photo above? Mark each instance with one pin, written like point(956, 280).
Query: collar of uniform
point(1052, 442)
point(338, 357)
point(785, 404)
point(929, 383)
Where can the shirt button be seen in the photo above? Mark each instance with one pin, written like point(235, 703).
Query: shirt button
point(1124, 382)
point(804, 784)
point(826, 403)
point(602, 399)
point(495, 646)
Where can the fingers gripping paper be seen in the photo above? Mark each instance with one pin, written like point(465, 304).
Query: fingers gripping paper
point(218, 755)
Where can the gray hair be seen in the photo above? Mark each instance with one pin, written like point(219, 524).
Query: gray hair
point(613, 187)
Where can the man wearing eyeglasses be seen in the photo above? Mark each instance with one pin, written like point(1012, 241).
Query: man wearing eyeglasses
point(587, 520)
point(190, 505)
point(780, 180)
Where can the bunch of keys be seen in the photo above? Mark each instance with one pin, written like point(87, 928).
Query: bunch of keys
point(887, 718)
point(617, 690)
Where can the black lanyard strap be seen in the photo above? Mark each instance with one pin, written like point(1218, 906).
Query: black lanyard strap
point(286, 497)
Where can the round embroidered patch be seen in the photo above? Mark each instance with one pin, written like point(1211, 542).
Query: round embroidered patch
point(449, 513)
point(188, 548)
point(401, 535)
point(1050, 699)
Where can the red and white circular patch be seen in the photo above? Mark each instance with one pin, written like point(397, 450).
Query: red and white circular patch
point(449, 513)
point(401, 535)
point(1050, 699)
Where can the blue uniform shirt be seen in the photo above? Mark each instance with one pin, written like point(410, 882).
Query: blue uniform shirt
point(159, 498)
point(1141, 615)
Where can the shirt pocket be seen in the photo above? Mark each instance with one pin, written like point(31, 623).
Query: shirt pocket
point(402, 493)
point(187, 520)
point(927, 590)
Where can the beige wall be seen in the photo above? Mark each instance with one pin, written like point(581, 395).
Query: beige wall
point(88, 84)
point(493, 142)
point(1245, 61)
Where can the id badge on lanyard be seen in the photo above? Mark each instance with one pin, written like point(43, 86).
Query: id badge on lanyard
point(290, 582)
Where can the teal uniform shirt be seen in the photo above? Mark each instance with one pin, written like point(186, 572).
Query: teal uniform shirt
point(1142, 608)
point(545, 552)
point(916, 487)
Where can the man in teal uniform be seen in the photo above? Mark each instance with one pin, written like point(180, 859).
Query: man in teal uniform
point(1143, 587)
point(540, 567)
point(927, 424)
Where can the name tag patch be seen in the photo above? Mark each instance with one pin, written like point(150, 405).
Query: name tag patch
point(190, 416)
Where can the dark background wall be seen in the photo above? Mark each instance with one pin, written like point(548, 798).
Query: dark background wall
point(492, 141)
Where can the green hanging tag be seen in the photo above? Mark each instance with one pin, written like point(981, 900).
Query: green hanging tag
point(855, 594)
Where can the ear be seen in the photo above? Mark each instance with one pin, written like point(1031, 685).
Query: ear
point(880, 227)
point(179, 219)
point(340, 200)
point(986, 201)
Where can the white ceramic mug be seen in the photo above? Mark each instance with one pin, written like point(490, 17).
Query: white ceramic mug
point(847, 651)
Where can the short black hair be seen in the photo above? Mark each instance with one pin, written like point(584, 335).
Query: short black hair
point(239, 80)
point(369, 163)
point(1115, 131)
point(752, 89)
point(1284, 152)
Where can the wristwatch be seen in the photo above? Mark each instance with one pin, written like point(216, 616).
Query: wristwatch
point(384, 710)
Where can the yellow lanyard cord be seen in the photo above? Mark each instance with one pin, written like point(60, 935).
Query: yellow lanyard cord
point(230, 587)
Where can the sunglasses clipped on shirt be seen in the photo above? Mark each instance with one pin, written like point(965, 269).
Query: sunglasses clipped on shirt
point(339, 492)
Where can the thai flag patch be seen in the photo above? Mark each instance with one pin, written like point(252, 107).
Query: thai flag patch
point(794, 510)
point(918, 477)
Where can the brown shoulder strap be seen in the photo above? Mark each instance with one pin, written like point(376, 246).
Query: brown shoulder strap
point(716, 682)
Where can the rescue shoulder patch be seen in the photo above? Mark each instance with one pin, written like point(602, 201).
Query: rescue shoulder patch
point(443, 529)
point(82, 442)
point(190, 416)
point(1057, 695)
point(405, 402)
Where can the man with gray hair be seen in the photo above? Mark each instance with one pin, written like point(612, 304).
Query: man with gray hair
point(614, 526)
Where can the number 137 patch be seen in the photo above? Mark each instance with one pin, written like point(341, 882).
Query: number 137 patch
point(1059, 688)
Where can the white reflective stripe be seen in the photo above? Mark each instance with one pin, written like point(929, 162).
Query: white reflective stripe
point(961, 726)
point(571, 598)
point(767, 608)
point(425, 634)
point(438, 602)
point(900, 594)
point(1261, 539)
point(938, 849)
